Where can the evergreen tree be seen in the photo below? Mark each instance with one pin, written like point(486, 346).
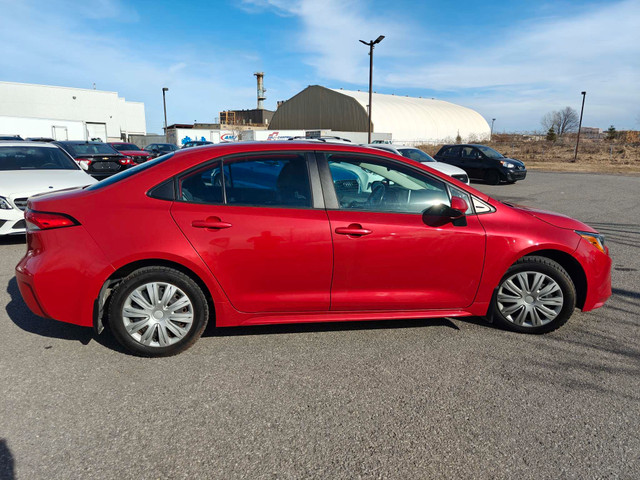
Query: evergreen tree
point(551, 135)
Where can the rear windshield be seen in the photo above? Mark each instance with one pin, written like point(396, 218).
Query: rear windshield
point(415, 154)
point(125, 146)
point(35, 158)
point(79, 149)
point(129, 172)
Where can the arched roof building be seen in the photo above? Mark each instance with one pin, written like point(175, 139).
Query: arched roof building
point(408, 119)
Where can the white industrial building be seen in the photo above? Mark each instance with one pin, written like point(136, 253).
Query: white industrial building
point(410, 120)
point(65, 113)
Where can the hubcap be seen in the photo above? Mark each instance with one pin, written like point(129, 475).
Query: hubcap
point(157, 314)
point(530, 299)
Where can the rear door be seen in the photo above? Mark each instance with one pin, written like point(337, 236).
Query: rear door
point(385, 257)
point(258, 222)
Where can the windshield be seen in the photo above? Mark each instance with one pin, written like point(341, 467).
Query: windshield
point(35, 158)
point(490, 152)
point(129, 172)
point(415, 154)
point(80, 149)
point(124, 146)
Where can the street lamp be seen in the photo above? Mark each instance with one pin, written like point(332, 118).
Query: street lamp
point(575, 155)
point(371, 44)
point(164, 104)
point(491, 134)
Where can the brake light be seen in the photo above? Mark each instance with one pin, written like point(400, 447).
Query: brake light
point(47, 220)
point(127, 161)
point(84, 163)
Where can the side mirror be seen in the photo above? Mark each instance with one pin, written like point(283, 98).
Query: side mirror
point(441, 214)
point(459, 204)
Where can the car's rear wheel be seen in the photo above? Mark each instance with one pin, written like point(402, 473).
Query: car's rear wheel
point(492, 177)
point(157, 312)
point(536, 295)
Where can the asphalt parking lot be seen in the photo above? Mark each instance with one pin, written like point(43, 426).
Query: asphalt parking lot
point(406, 399)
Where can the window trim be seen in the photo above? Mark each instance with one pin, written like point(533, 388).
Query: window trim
point(312, 172)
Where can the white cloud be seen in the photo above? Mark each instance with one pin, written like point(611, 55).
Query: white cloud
point(50, 46)
point(535, 66)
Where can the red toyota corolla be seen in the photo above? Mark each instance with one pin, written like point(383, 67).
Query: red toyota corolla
point(261, 233)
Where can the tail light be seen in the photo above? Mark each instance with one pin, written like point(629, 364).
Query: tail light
point(127, 161)
point(48, 220)
point(84, 163)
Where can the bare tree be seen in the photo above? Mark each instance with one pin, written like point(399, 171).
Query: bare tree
point(563, 121)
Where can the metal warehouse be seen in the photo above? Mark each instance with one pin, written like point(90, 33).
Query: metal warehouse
point(410, 120)
point(67, 113)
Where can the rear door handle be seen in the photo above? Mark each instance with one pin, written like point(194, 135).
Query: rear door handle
point(211, 222)
point(353, 229)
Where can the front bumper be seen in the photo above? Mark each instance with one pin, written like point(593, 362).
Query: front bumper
point(515, 175)
point(597, 269)
point(12, 222)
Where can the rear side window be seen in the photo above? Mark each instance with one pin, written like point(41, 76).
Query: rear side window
point(280, 180)
point(452, 152)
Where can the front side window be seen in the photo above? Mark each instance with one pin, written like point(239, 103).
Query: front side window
point(274, 180)
point(490, 152)
point(370, 184)
point(470, 152)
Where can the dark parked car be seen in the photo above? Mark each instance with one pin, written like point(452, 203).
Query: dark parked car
point(98, 159)
point(157, 149)
point(196, 143)
point(132, 151)
point(483, 163)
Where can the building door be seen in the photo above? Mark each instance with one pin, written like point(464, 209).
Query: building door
point(60, 133)
point(97, 132)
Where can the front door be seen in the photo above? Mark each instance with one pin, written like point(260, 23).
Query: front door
point(385, 257)
point(256, 228)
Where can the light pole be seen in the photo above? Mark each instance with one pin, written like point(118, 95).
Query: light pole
point(491, 134)
point(371, 44)
point(575, 155)
point(164, 104)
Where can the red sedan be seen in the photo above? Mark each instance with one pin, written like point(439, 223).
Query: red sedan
point(134, 153)
point(263, 233)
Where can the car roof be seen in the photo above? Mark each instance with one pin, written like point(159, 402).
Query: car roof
point(80, 142)
point(27, 143)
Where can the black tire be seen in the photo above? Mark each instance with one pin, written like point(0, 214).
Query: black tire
point(492, 177)
point(511, 182)
point(551, 269)
point(190, 289)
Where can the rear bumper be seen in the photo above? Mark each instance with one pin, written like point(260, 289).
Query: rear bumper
point(597, 268)
point(59, 285)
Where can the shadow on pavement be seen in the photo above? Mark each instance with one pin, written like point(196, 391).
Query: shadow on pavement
point(13, 240)
point(7, 467)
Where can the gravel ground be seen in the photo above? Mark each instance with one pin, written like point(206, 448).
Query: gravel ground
point(406, 399)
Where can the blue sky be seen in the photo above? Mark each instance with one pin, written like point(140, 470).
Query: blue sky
point(510, 60)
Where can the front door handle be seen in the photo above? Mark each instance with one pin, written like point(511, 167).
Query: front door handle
point(211, 222)
point(353, 229)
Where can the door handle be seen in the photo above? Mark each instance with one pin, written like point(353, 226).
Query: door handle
point(353, 229)
point(210, 222)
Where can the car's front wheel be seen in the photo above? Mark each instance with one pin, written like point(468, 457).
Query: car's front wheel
point(536, 295)
point(157, 312)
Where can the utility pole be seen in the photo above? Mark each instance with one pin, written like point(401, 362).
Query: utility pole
point(371, 44)
point(164, 104)
point(575, 155)
point(491, 134)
